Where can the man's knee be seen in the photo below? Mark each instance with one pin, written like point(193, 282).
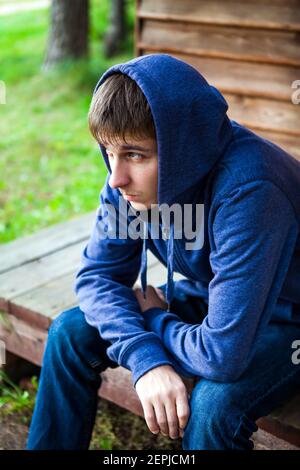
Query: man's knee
point(70, 334)
point(211, 403)
point(69, 331)
point(65, 325)
point(217, 419)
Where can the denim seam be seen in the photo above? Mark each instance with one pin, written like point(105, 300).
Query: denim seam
point(273, 387)
point(95, 363)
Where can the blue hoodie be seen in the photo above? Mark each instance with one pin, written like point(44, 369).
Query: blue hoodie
point(248, 268)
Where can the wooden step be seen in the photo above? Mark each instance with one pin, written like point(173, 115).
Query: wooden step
point(41, 287)
point(41, 296)
point(29, 342)
point(266, 441)
point(46, 241)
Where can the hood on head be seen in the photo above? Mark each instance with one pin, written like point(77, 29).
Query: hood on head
point(192, 130)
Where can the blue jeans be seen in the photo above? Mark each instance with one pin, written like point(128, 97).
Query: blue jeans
point(222, 415)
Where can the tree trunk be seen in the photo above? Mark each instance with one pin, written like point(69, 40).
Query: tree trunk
point(68, 38)
point(117, 30)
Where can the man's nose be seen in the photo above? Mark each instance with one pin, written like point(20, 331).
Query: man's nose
point(119, 176)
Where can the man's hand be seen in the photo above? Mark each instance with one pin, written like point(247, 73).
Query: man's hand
point(164, 398)
point(154, 298)
point(163, 393)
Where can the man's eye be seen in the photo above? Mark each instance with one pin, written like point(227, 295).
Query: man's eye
point(135, 156)
point(131, 155)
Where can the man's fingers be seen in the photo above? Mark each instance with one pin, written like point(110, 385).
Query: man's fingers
point(165, 401)
point(173, 422)
point(161, 418)
point(183, 410)
point(150, 418)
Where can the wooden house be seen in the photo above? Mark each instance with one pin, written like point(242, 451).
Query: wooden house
point(249, 50)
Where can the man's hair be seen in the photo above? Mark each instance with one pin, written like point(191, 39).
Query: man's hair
point(119, 107)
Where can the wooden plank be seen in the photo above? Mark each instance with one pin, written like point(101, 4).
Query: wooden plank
point(245, 78)
point(22, 339)
point(265, 115)
point(248, 14)
point(43, 303)
point(117, 387)
point(273, 47)
point(280, 429)
point(46, 301)
point(31, 275)
point(45, 241)
point(290, 412)
point(34, 274)
point(266, 441)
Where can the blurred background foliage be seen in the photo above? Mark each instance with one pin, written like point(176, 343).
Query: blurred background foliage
point(50, 167)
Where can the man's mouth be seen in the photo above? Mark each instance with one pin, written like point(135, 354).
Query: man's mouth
point(130, 197)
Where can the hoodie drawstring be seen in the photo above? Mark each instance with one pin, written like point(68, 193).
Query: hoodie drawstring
point(170, 267)
point(170, 264)
point(144, 263)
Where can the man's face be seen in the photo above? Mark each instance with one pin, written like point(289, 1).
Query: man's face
point(134, 171)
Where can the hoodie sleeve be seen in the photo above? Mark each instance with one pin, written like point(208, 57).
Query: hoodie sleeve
point(252, 236)
point(103, 285)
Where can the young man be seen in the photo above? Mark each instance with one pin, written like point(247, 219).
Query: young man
point(232, 321)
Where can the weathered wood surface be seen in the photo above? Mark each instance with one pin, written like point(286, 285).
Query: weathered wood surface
point(267, 441)
point(38, 281)
point(243, 78)
point(271, 14)
point(45, 242)
point(270, 47)
point(265, 115)
point(248, 50)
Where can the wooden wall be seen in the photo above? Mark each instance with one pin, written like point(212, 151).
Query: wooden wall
point(249, 50)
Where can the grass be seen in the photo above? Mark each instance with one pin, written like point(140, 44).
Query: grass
point(50, 168)
point(118, 429)
point(114, 429)
point(17, 401)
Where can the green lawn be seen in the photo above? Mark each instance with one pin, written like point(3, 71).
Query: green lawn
point(50, 168)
